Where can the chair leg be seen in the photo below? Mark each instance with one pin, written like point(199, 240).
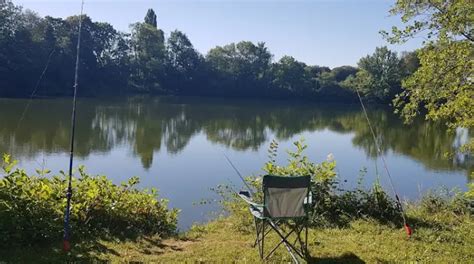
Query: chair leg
point(259, 232)
point(270, 230)
point(259, 226)
point(257, 239)
point(303, 242)
point(284, 234)
point(263, 239)
point(298, 240)
point(284, 240)
point(306, 252)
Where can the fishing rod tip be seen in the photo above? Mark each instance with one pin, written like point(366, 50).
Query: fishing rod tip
point(408, 230)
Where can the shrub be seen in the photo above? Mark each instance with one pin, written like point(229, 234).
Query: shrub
point(470, 192)
point(443, 200)
point(32, 207)
point(332, 205)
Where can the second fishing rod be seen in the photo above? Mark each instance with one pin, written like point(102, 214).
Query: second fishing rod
point(251, 192)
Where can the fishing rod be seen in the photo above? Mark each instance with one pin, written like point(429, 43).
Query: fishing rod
point(66, 238)
point(238, 173)
point(408, 229)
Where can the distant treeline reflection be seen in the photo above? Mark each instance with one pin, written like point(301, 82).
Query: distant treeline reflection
point(149, 124)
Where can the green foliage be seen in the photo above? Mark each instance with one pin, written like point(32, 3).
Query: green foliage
point(239, 68)
point(292, 77)
point(470, 192)
point(299, 164)
point(341, 73)
point(437, 19)
point(448, 70)
point(150, 18)
point(442, 201)
point(32, 208)
point(409, 63)
point(441, 89)
point(149, 58)
point(379, 76)
point(184, 65)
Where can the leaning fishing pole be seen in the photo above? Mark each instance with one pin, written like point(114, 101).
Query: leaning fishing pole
point(67, 227)
point(408, 229)
point(238, 173)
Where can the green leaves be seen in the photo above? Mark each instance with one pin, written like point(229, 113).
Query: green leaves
point(272, 152)
point(32, 207)
point(434, 18)
point(298, 163)
point(133, 181)
point(442, 87)
point(379, 76)
point(8, 164)
point(470, 193)
point(42, 172)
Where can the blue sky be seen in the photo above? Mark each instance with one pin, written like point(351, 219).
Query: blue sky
point(329, 33)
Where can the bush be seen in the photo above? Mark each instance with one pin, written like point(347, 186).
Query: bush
point(32, 207)
point(332, 205)
point(444, 200)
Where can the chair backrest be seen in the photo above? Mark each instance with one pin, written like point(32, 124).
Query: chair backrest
point(284, 196)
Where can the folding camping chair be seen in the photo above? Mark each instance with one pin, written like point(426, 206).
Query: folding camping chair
point(285, 211)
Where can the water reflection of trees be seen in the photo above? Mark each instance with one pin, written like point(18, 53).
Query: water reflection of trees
point(147, 124)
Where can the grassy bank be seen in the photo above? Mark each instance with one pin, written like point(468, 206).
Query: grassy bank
point(439, 237)
point(443, 233)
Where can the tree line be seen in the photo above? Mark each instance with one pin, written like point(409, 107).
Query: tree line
point(144, 61)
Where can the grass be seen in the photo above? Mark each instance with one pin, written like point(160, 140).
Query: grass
point(439, 237)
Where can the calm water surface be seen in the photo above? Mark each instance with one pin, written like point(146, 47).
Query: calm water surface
point(177, 144)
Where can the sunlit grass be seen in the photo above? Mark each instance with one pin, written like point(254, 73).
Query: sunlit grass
point(440, 237)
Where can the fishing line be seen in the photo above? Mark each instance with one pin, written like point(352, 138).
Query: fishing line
point(384, 162)
point(66, 242)
point(30, 99)
point(25, 110)
point(238, 173)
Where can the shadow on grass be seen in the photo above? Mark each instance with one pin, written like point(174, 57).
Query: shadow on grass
point(83, 252)
point(344, 258)
point(88, 251)
point(156, 247)
point(396, 222)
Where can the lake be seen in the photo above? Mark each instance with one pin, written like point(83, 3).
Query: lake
point(177, 144)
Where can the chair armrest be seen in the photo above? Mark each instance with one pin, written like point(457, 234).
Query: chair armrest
point(246, 197)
